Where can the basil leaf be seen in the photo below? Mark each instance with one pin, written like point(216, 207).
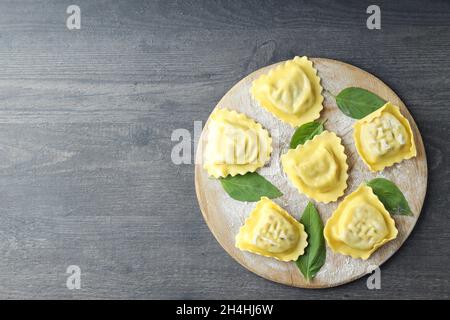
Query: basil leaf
point(305, 132)
point(315, 253)
point(249, 187)
point(390, 195)
point(357, 102)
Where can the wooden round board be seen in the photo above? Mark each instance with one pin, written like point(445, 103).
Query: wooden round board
point(225, 216)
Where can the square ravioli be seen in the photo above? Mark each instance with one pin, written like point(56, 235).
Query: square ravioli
point(290, 91)
point(272, 232)
point(384, 138)
point(235, 144)
point(318, 168)
point(359, 225)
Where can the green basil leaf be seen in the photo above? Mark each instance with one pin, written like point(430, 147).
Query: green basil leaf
point(357, 102)
point(249, 187)
point(390, 195)
point(305, 132)
point(315, 253)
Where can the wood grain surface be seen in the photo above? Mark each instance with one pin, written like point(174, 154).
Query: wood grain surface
point(225, 216)
point(86, 118)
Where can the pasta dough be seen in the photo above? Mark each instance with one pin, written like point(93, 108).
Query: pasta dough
point(384, 137)
point(235, 144)
point(318, 168)
point(291, 91)
point(360, 225)
point(271, 231)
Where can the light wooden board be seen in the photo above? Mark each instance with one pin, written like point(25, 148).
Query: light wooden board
point(224, 215)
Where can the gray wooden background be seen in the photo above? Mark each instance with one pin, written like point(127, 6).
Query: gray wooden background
point(86, 118)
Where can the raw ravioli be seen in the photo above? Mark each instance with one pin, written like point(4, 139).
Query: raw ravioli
point(384, 137)
point(318, 168)
point(271, 231)
point(236, 144)
point(360, 225)
point(290, 91)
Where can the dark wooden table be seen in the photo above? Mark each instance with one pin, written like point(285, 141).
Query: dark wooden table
point(86, 118)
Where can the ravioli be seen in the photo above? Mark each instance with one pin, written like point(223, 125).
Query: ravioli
point(290, 91)
point(360, 225)
point(236, 144)
point(384, 137)
point(318, 168)
point(272, 232)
